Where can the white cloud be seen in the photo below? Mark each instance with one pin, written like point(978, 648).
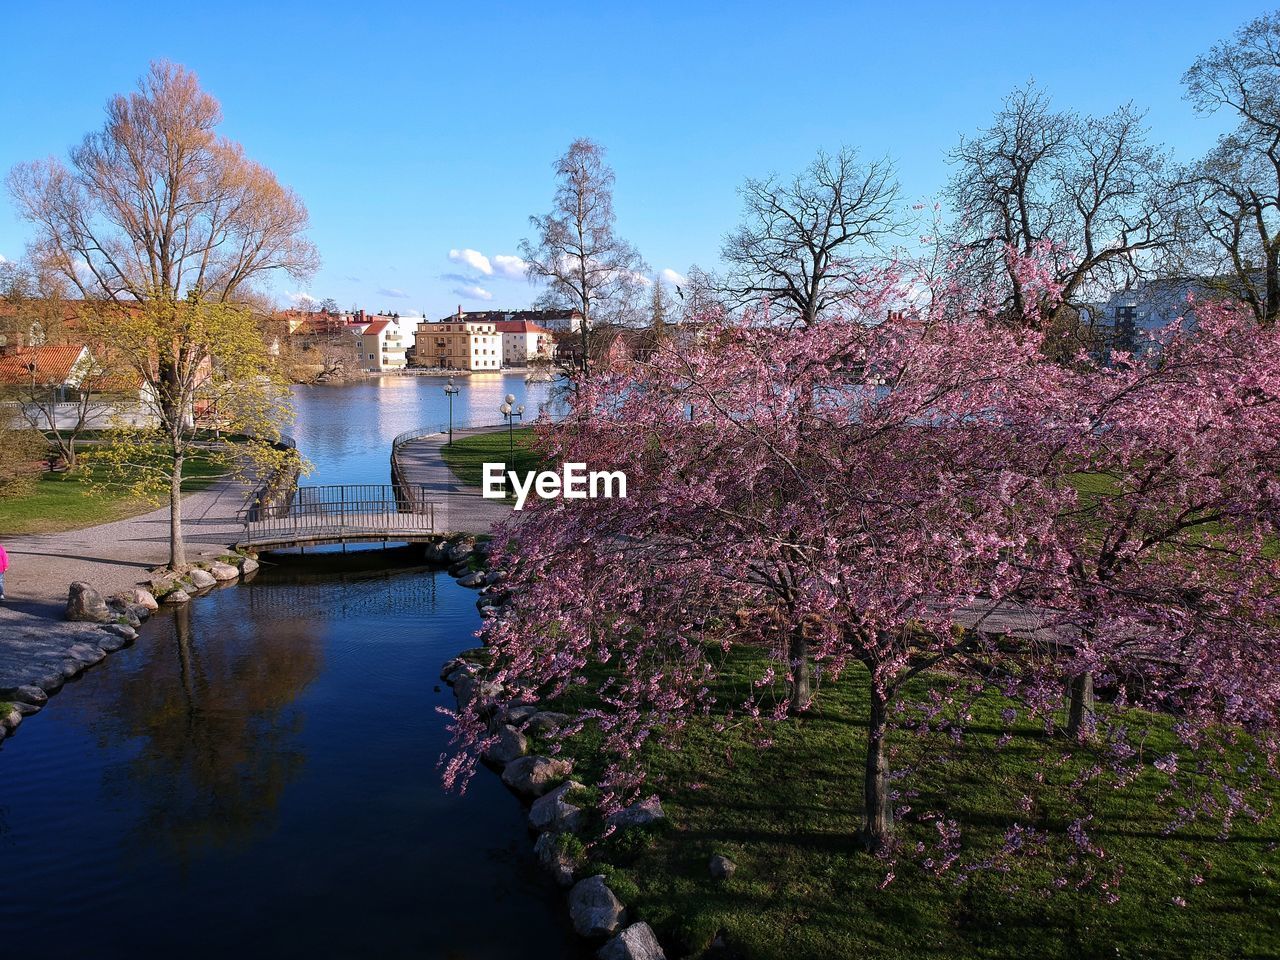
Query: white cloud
point(473, 259)
point(509, 266)
point(674, 278)
point(299, 299)
point(392, 292)
point(473, 293)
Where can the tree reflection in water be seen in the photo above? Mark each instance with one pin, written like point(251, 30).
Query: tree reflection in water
point(216, 733)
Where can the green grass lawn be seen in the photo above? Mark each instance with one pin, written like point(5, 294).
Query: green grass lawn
point(789, 816)
point(467, 456)
point(67, 501)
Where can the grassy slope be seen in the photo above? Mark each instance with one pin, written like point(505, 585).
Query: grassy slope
point(64, 501)
point(788, 816)
point(467, 456)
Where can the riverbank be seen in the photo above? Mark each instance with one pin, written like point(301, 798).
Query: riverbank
point(115, 556)
point(755, 854)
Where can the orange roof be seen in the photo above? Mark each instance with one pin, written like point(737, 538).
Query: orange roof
point(53, 363)
point(519, 326)
point(376, 327)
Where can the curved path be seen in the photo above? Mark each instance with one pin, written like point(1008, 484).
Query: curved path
point(461, 509)
point(116, 555)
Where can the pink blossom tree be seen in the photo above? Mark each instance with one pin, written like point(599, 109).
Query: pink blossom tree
point(1168, 555)
point(849, 494)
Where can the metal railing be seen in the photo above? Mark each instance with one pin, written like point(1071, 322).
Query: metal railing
point(342, 512)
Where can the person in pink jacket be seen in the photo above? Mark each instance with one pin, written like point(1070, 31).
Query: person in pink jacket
point(4, 565)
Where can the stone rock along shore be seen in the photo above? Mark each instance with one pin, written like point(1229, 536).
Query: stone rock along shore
point(543, 782)
point(38, 656)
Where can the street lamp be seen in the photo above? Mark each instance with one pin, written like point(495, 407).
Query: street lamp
point(510, 412)
point(451, 390)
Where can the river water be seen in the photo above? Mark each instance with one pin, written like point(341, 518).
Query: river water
point(256, 776)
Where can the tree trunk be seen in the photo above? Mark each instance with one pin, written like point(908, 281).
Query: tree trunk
point(878, 808)
point(177, 546)
point(1080, 708)
point(798, 661)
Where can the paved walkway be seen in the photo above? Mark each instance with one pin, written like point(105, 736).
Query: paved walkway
point(113, 556)
point(37, 646)
point(461, 508)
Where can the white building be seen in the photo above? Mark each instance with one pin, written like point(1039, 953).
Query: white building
point(524, 340)
point(382, 346)
point(1132, 318)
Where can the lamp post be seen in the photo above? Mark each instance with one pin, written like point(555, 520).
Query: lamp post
point(451, 390)
point(510, 412)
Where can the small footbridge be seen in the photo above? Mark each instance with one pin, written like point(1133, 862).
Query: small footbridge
point(340, 514)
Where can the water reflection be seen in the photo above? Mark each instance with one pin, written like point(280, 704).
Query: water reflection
point(256, 776)
point(212, 717)
point(346, 429)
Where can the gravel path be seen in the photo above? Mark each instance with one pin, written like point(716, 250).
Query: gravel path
point(113, 556)
point(461, 508)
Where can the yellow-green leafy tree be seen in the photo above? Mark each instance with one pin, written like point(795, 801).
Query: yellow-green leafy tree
point(202, 371)
point(163, 228)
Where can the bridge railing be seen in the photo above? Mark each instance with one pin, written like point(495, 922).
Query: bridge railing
point(342, 511)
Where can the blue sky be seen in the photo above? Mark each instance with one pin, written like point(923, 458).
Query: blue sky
point(411, 130)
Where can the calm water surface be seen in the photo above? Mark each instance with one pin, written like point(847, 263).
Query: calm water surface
point(346, 430)
point(256, 776)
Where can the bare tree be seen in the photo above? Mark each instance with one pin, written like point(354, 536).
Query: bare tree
point(1087, 195)
point(156, 204)
point(35, 307)
point(700, 295)
point(802, 244)
point(576, 251)
point(157, 213)
point(659, 308)
point(1232, 196)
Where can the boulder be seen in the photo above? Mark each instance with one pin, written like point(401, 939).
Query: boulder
point(248, 565)
point(637, 942)
point(460, 569)
point(124, 612)
point(460, 550)
point(223, 572)
point(139, 610)
point(546, 722)
point(552, 812)
point(494, 576)
point(460, 667)
point(200, 579)
point(722, 867)
point(470, 686)
point(533, 776)
point(488, 612)
point(593, 908)
point(85, 603)
point(88, 653)
point(142, 597)
point(509, 744)
point(177, 596)
point(121, 630)
point(112, 641)
point(520, 713)
point(11, 719)
point(639, 814)
point(28, 694)
point(437, 551)
point(162, 582)
point(555, 858)
point(472, 581)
